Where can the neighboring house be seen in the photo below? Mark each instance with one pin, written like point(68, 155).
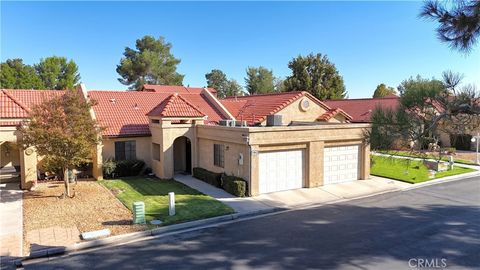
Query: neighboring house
point(361, 110)
point(17, 163)
point(174, 129)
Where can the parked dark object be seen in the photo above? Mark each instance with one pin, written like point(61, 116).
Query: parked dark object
point(214, 179)
point(461, 141)
point(234, 185)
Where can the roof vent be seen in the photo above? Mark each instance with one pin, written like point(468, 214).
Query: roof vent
point(135, 107)
point(112, 100)
point(274, 120)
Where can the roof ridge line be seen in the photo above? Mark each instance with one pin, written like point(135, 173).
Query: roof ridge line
point(15, 101)
point(189, 103)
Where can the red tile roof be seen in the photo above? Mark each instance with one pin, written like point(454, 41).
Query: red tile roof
point(361, 109)
point(17, 103)
point(123, 113)
point(329, 114)
point(175, 89)
point(176, 106)
point(255, 108)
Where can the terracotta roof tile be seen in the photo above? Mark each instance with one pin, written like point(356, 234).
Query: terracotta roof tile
point(175, 106)
point(329, 114)
point(255, 108)
point(123, 113)
point(17, 103)
point(361, 109)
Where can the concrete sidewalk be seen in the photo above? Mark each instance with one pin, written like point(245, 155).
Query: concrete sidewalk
point(11, 221)
point(240, 205)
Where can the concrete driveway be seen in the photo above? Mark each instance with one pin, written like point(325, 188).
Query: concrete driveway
point(11, 221)
point(298, 197)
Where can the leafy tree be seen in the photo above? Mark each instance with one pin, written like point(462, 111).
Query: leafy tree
point(150, 63)
point(62, 130)
point(14, 74)
point(279, 85)
point(426, 108)
point(233, 88)
point(459, 21)
point(218, 80)
point(382, 91)
point(259, 80)
point(317, 75)
point(58, 73)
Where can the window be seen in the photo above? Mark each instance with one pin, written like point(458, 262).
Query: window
point(219, 155)
point(155, 121)
point(125, 150)
point(156, 151)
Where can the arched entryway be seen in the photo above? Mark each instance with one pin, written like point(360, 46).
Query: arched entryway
point(182, 155)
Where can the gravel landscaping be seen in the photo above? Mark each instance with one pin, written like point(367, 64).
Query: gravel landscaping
point(93, 208)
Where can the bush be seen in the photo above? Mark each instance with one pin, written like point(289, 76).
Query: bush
point(234, 185)
point(214, 179)
point(120, 168)
point(109, 167)
point(129, 167)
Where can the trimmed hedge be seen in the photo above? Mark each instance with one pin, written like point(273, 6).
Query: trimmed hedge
point(214, 179)
point(121, 168)
point(234, 185)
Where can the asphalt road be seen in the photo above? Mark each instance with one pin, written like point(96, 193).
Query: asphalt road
point(436, 226)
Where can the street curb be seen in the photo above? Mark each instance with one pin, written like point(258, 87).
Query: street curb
point(123, 238)
point(200, 224)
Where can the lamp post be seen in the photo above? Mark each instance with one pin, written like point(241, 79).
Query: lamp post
point(476, 139)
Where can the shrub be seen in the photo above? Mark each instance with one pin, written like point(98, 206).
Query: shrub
point(234, 185)
point(129, 167)
point(109, 167)
point(119, 168)
point(209, 177)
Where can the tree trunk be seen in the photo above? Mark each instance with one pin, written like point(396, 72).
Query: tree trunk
point(67, 183)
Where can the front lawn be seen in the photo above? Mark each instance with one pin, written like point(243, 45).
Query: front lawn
point(424, 156)
point(190, 204)
point(411, 171)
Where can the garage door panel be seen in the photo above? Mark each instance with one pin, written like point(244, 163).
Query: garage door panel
point(341, 164)
point(281, 170)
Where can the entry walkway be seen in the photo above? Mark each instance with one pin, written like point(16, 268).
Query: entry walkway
point(290, 199)
point(240, 205)
point(11, 221)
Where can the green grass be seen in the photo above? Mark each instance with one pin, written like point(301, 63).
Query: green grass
point(189, 203)
point(411, 171)
point(424, 156)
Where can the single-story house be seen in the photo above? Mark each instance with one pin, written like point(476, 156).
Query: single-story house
point(275, 141)
point(174, 129)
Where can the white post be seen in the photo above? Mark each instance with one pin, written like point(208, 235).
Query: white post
point(476, 139)
point(171, 203)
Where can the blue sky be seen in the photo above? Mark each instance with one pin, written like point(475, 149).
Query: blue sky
point(369, 42)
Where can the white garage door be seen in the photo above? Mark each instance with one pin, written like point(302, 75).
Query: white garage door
point(341, 164)
point(281, 170)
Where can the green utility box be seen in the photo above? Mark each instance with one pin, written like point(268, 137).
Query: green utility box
point(138, 213)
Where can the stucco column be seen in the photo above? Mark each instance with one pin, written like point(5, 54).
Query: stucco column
point(365, 172)
point(28, 167)
point(314, 166)
point(97, 161)
point(254, 167)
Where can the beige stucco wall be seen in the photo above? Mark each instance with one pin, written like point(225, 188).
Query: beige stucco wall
point(143, 148)
point(293, 112)
point(235, 146)
point(164, 134)
point(312, 139)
